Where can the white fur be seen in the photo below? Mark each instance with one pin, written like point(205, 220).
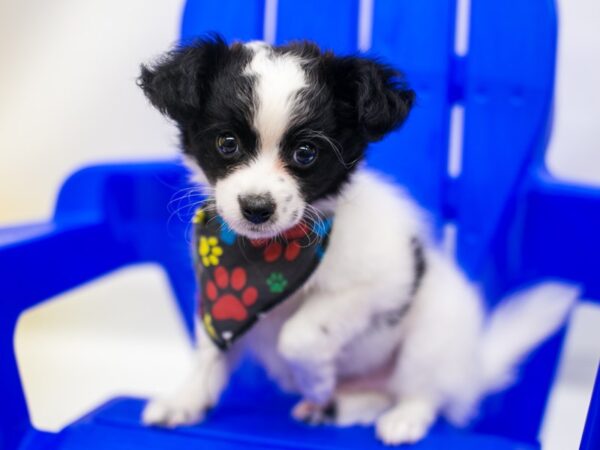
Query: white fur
point(278, 79)
point(259, 177)
point(200, 390)
point(442, 356)
point(519, 324)
point(196, 174)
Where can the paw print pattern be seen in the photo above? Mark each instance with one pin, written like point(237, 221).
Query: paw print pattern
point(227, 235)
point(209, 250)
point(276, 282)
point(290, 249)
point(208, 325)
point(199, 216)
point(232, 304)
point(322, 228)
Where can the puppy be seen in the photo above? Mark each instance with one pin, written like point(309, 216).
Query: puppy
point(386, 330)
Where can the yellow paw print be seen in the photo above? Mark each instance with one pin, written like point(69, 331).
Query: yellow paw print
point(199, 216)
point(210, 250)
point(208, 325)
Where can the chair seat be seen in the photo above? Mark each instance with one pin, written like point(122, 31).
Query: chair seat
point(253, 414)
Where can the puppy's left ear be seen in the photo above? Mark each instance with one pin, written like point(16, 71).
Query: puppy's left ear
point(373, 95)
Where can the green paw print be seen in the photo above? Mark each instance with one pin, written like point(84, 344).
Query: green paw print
point(276, 282)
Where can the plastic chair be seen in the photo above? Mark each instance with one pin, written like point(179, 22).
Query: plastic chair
point(515, 222)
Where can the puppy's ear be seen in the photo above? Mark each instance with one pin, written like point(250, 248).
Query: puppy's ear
point(373, 95)
point(177, 83)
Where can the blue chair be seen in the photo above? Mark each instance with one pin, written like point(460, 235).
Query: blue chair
point(515, 222)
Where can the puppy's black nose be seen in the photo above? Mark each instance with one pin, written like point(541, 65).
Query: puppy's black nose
point(257, 208)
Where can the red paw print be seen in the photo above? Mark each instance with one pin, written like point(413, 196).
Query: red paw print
point(230, 305)
point(290, 250)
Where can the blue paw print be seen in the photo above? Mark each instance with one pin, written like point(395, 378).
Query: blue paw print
point(322, 229)
point(227, 234)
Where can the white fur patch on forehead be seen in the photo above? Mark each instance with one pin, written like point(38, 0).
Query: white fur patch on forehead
point(278, 78)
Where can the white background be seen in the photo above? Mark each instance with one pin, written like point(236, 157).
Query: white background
point(68, 98)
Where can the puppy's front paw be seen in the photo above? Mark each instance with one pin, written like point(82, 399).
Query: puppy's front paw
point(172, 413)
point(308, 354)
point(406, 423)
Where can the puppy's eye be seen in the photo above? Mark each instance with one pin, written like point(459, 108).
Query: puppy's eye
point(227, 145)
point(305, 155)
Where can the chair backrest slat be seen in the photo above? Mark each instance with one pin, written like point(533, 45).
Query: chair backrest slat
point(235, 19)
point(418, 38)
point(508, 88)
point(333, 24)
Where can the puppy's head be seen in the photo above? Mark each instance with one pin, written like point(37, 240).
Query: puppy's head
point(274, 129)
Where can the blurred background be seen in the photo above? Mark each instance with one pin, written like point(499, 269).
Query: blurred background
point(68, 98)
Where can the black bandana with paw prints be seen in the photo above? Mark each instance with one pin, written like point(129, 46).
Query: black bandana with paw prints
point(240, 279)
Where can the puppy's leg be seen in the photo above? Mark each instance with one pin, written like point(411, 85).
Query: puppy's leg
point(312, 338)
point(437, 360)
point(200, 390)
point(416, 384)
point(407, 422)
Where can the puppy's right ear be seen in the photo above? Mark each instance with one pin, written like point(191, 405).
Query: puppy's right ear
point(373, 98)
point(177, 83)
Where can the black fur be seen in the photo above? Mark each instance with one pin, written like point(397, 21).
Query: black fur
point(202, 89)
point(350, 101)
point(371, 96)
point(392, 318)
point(420, 264)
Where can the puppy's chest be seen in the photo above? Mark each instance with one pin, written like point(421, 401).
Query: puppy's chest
point(262, 339)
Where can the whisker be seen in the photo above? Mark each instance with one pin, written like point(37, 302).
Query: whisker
point(335, 146)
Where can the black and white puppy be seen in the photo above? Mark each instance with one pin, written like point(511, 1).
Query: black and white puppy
point(387, 330)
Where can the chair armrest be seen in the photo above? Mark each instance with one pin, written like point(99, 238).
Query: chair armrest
point(106, 216)
point(47, 260)
point(55, 259)
point(565, 218)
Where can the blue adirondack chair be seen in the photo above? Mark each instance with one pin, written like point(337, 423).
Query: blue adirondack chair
point(515, 222)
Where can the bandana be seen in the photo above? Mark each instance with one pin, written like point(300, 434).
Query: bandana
point(240, 279)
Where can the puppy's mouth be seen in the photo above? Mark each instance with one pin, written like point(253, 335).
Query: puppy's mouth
point(267, 230)
point(261, 231)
